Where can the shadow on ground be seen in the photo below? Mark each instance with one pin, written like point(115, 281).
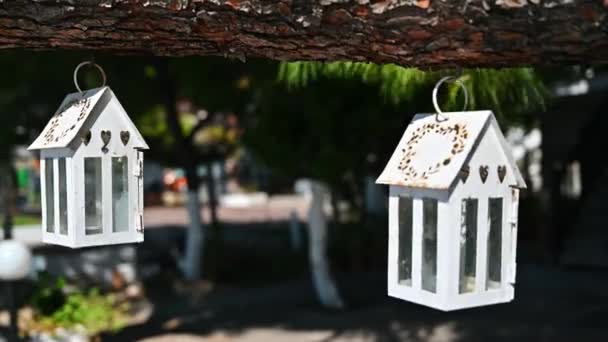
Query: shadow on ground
point(551, 305)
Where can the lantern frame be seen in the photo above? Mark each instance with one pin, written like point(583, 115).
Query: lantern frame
point(91, 153)
point(480, 172)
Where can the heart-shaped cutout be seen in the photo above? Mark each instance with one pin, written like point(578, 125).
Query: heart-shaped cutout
point(86, 138)
point(464, 173)
point(105, 137)
point(124, 137)
point(502, 172)
point(483, 173)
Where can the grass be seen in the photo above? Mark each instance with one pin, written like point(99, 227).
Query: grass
point(24, 220)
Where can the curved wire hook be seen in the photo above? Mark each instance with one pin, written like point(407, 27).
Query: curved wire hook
point(103, 74)
point(450, 79)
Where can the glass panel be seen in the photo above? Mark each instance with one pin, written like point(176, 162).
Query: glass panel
point(63, 198)
point(468, 245)
point(92, 195)
point(429, 244)
point(120, 195)
point(494, 243)
point(405, 241)
point(49, 190)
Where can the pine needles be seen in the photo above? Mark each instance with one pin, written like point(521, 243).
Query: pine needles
point(505, 91)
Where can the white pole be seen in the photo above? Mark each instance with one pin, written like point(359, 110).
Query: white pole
point(294, 231)
point(194, 241)
point(317, 229)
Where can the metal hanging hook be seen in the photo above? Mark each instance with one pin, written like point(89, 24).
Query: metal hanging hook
point(103, 74)
point(450, 79)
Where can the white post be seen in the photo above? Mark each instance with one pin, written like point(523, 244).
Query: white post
point(194, 237)
point(317, 228)
point(294, 231)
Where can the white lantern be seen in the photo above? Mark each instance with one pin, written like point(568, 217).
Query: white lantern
point(91, 172)
point(452, 212)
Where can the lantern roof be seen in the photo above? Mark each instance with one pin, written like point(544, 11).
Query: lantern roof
point(76, 110)
point(434, 149)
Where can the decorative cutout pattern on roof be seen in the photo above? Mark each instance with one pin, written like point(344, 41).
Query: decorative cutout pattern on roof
point(460, 135)
point(433, 151)
point(68, 120)
point(79, 105)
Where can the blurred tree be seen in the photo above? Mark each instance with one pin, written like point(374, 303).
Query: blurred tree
point(331, 126)
point(515, 91)
point(316, 139)
point(150, 90)
point(189, 139)
point(337, 130)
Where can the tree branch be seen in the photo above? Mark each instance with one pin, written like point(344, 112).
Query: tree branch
point(419, 33)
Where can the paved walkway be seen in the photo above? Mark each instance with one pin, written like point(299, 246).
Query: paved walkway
point(551, 305)
point(276, 209)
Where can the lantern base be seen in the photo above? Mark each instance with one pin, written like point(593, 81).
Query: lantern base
point(453, 302)
point(92, 240)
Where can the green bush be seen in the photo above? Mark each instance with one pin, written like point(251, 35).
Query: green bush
point(54, 307)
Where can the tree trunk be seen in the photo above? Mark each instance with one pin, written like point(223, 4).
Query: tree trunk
point(212, 197)
point(317, 227)
point(426, 33)
point(193, 258)
point(9, 197)
point(215, 242)
point(195, 238)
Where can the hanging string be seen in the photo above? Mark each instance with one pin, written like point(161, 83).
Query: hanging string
point(103, 74)
point(449, 79)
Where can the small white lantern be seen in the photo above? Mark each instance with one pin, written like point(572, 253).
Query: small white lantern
point(453, 205)
point(15, 260)
point(91, 172)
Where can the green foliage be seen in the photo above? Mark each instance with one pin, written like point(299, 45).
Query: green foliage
point(327, 132)
point(93, 311)
point(48, 296)
point(24, 220)
point(339, 122)
point(506, 91)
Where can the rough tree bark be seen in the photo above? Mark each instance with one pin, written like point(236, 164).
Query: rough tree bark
point(427, 33)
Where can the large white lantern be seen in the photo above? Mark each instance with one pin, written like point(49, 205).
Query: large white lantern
point(452, 212)
point(91, 172)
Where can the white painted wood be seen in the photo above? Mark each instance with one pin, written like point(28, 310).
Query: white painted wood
point(513, 224)
point(482, 245)
point(417, 244)
point(451, 225)
point(486, 150)
point(439, 168)
point(138, 185)
point(79, 212)
point(71, 201)
point(445, 247)
point(67, 120)
point(56, 214)
point(43, 192)
point(106, 196)
point(393, 239)
point(95, 111)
